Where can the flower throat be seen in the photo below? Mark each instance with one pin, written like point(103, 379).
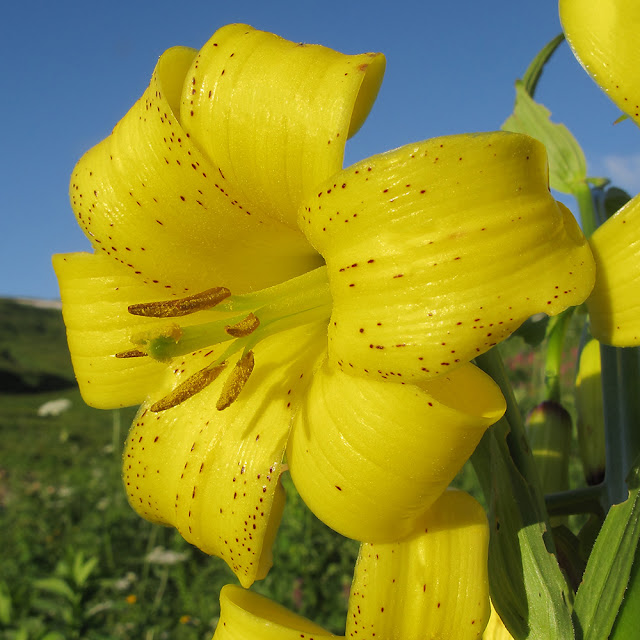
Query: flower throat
point(256, 316)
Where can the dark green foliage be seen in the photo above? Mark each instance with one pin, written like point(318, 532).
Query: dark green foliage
point(32, 352)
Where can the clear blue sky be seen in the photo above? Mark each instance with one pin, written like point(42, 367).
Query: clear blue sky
point(69, 70)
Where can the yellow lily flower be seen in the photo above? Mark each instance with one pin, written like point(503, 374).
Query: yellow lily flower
point(434, 584)
point(603, 35)
point(251, 288)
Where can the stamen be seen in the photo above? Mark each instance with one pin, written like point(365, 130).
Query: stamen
point(182, 306)
point(131, 353)
point(236, 381)
point(192, 385)
point(243, 328)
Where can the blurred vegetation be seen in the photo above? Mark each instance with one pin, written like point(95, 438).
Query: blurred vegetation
point(76, 559)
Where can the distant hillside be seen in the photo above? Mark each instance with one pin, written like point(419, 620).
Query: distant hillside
point(33, 348)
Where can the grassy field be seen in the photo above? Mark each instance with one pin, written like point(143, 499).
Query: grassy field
point(77, 562)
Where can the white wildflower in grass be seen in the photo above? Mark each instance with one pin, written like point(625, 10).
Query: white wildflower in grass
point(160, 555)
point(54, 407)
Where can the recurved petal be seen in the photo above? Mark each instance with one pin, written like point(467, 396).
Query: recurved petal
point(245, 615)
point(439, 250)
point(603, 35)
point(434, 584)
point(95, 293)
point(148, 197)
point(214, 475)
point(369, 457)
point(275, 115)
point(614, 305)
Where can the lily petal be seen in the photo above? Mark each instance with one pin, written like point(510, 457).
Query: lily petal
point(431, 585)
point(274, 114)
point(245, 615)
point(369, 458)
point(614, 305)
point(215, 475)
point(95, 292)
point(603, 35)
point(439, 250)
point(149, 198)
point(215, 156)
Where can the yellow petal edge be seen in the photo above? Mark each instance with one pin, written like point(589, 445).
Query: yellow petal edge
point(614, 305)
point(95, 292)
point(245, 615)
point(199, 184)
point(369, 458)
point(431, 585)
point(439, 250)
point(603, 35)
point(215, 475)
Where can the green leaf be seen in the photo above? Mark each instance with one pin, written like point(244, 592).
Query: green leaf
point(598, 183)
point(81, 569)
point(628, 620)
point(567, 164)
point(534, 70)
point(56, 586)
point(533, 330)
point(609, 568)
point(527, 587)
point(614, 199)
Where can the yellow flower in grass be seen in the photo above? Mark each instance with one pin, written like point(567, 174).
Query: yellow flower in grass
point(604, 37)
point(433, 584)
point(254, 296)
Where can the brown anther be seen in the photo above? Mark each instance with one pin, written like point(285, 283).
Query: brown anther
point(244, 327)
point(192, 385)
point(132, 353)
point(182, 306)
point(236, 381)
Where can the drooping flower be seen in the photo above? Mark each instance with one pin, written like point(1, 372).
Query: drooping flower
point(251, 290)
point(603, 35)
point(433, 584)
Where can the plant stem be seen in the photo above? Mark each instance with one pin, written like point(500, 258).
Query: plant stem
point(584, 197)
point(621, 404)
point(583, 500)
point(491, 363)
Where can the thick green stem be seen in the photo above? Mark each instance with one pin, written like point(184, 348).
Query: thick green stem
point(582, 193)
point(583, 500)
point(621, 404)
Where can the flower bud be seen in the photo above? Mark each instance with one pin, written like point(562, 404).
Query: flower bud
point(549, 432)
point(590, 416)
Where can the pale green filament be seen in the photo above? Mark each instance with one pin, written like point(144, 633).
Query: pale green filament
point(293, 303)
